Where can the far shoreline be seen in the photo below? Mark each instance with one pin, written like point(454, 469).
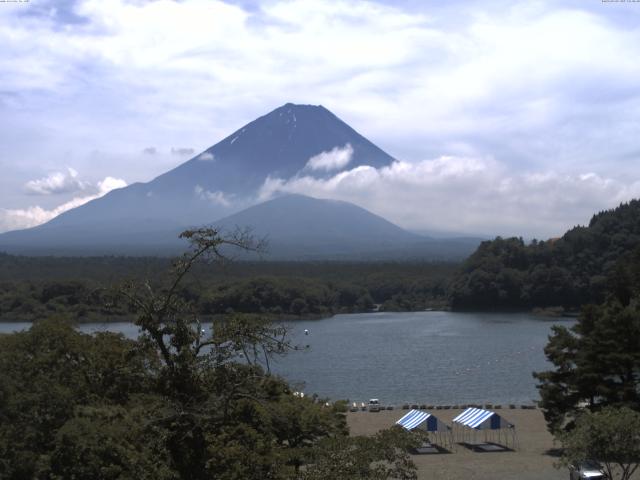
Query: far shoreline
point(543, 312)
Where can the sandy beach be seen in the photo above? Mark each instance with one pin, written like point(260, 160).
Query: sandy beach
point(531, 461)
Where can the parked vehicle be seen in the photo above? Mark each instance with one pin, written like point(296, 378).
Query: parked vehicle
point(374, 405)
point(589, 469)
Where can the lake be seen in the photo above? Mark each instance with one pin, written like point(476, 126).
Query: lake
point(423, 357)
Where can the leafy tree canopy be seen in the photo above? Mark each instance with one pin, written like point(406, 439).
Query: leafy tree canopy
point(597, 361)
point(569, 271)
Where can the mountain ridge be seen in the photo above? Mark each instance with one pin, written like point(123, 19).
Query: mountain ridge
point(225, 179)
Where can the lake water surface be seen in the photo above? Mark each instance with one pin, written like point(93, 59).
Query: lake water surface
point(424, 357)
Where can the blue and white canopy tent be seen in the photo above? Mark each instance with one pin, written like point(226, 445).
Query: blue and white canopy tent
point(420, 420)
point(496, 429)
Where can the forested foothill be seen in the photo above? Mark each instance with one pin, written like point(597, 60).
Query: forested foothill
point(32, 288)
point(566, 272)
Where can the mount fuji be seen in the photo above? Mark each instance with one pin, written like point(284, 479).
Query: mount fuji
point(217, 185)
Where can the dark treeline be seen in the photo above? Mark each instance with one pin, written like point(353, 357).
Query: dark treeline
point(569, 271)
point(36, 287)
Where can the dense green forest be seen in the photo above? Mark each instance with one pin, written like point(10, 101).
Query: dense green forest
point(35, 287)
point(569, 271)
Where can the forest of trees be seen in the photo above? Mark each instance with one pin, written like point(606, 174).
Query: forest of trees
point(568, 272)
point(33, 288)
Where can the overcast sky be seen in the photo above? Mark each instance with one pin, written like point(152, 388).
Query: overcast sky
point(506, 117)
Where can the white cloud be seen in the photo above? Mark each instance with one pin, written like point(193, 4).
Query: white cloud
point(14, 219)
point(55, 183)
point(109, 183)
point(467, 195)
point(217, 197)
point(335, 159)
point(206, 157)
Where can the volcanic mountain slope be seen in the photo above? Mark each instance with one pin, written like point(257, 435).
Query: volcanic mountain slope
point(304, 228)
point(220, 181)
point(227, 176)
point(146, 218)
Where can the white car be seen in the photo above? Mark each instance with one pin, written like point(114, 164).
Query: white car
point(374, 405)
point(589, 469)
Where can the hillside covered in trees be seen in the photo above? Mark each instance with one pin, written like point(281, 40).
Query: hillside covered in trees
point(37, 287)
point(569, 271)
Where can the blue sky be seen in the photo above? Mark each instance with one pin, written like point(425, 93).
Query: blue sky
point(506, 117)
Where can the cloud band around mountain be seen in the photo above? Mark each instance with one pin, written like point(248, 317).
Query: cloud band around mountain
point(15, 219)
point(466, 195)
point(56, 183)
